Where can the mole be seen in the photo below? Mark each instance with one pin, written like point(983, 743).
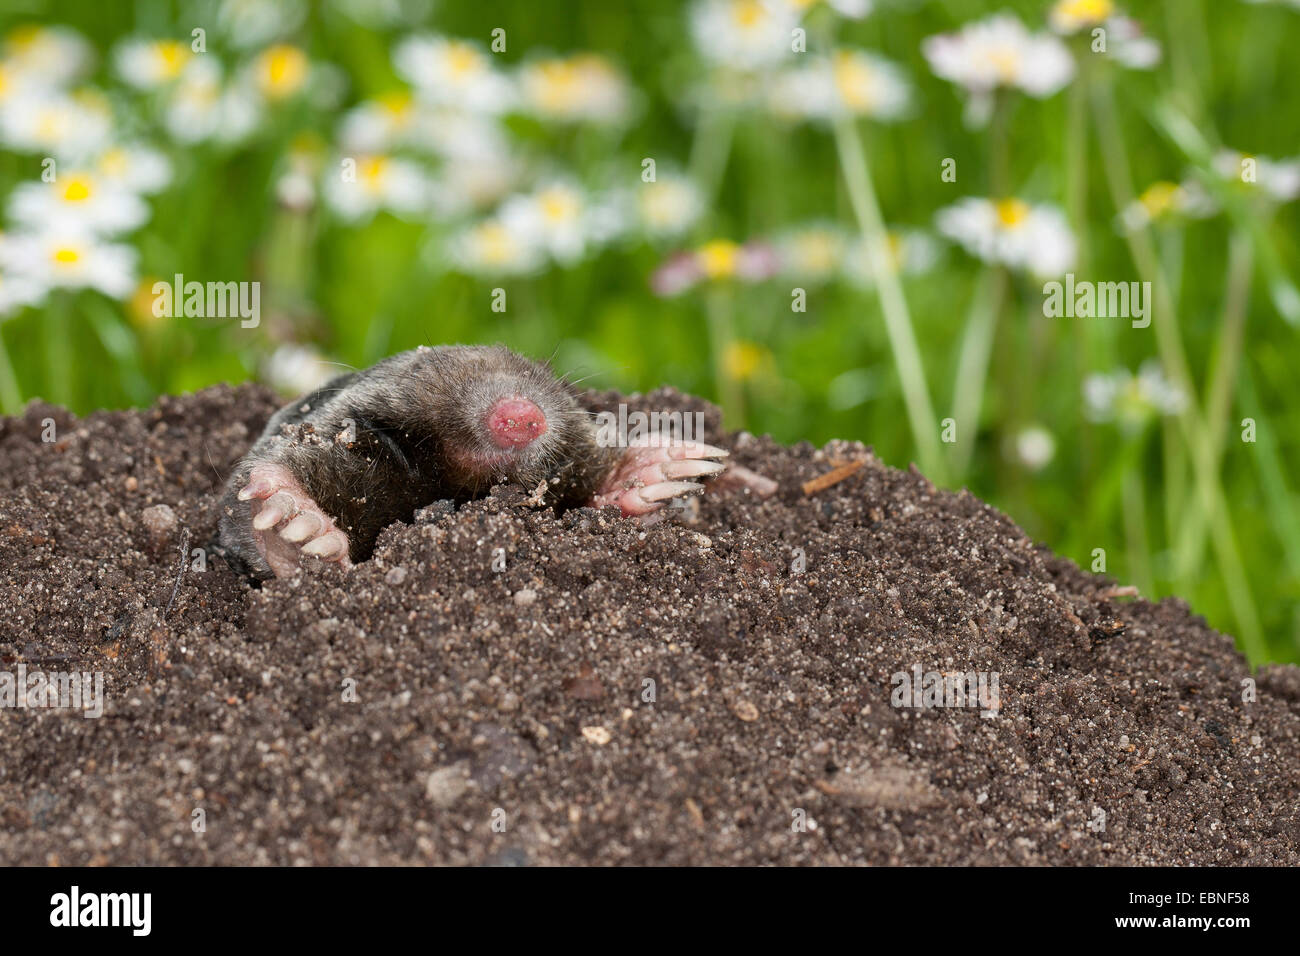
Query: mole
point(368, 448)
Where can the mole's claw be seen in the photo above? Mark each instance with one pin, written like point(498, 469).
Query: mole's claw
point(257, 487)
point(695, 449)
point(691, 468)
point(276, 509)
point(328, 547)
point(668, 489)
point(306, 525)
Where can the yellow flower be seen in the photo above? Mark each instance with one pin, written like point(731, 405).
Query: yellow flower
point(281, 71)
point(741, 361)
point(1159, 198)
point(140, 307)
point(718, 258)
point(1069, 16)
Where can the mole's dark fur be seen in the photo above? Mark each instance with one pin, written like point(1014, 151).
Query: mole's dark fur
point(371, 447)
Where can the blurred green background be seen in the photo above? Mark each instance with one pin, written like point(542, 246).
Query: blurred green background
point(354, 291)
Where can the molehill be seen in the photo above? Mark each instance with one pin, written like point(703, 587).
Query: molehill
point(502, 685)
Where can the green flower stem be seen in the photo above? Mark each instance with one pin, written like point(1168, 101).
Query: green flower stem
point(1218, 403)
point(1135, 530)
point(898, 324)
point(721, 335)
point(58, 353)
point(1209, 491)
point(11, 398)
point(973, 361)
point(710, 151)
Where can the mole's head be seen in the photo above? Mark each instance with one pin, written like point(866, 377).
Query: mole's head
point(501, 415)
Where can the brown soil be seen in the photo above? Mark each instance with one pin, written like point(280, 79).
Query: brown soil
point(519, 696)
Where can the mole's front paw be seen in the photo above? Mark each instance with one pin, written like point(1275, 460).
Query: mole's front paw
point(651, 474)
point(278, 501)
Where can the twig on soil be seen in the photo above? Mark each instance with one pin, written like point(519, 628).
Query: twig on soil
point(180, 571)
point(832, 477)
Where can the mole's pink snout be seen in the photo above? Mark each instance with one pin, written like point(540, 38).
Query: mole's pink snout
point(514, 422)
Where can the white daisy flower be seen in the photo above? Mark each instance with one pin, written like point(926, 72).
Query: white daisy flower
point(297, 369)
point(279, 72)
point(378, 125)
point(295, 186)
point(1131, 400)
point(851, 82)
point(252, 23)
point(58, 124)
point(77, 200)
point(467, 184)
point(457, 135)
point(559, 218)
point(17, 291)
point(1034, 447)
point(743, 34)
point(133, 167)
point(1163, 201)
point(811, 253)
point(1278, 178)
point(150, 64)
point(64, 258)
point(1132, 48)
point(51, 56)
point(454, 73)
point(372, 183)
point(583, 87)
point(668, 206)
point(910, 252)
point(1036, 238)
point(999, 52)
point(491, 248)
point(200, 107)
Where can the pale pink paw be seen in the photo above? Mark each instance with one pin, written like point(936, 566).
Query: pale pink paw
point(288, 524)
point(654, 473)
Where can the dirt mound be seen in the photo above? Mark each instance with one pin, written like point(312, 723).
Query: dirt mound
point(502, 685)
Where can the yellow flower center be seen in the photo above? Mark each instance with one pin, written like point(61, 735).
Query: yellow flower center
point(113, 163)
point(77, 190)
point(172, 55)
point(894, 250)
point(747, 13)
point(282, 70)
point(398, 106)
point(816, 250)
point(854, 79)
point(559, 83)
point(1006, 63)
point(1082, 12)
point(718, 258)
point(67, 256)
point(1011, 212)
point(50, 123)
point(558, 205)
point(462, 58)
point(1159, 198)
point(494, 239)
point(373, 169)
